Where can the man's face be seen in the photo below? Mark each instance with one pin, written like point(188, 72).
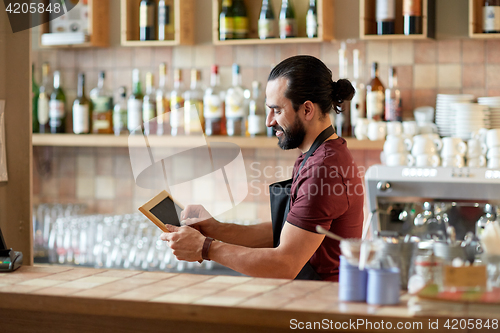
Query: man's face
point(283, 118)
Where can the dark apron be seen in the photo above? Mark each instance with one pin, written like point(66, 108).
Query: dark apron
point(280, 205)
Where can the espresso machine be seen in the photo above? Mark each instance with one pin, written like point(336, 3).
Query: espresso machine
point(399, 196)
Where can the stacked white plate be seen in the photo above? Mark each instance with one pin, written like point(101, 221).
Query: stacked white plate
point(445, 120)
point(494, 105)
point(469, 117)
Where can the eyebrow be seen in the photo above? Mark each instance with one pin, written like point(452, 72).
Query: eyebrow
point(273, 106)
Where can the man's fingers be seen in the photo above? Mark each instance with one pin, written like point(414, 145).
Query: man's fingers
point(171, 228)
point(190, 221)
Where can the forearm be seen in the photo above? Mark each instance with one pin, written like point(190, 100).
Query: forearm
point(257, 235)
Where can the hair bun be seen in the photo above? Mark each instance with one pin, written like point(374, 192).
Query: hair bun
point(342, 91)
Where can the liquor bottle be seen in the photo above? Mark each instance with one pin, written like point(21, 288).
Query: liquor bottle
point(43, 101)
point(193, 105)
point(393, 111)
point(412, 17)
point(177, 105)
point(102, 107)
point(358, 102)
point(57, 107)
point(120, 113)
point(147, 19)
point(267, 22)
point(312, 20)
point(149, 106)
point(213, 105)
point(166, 27)
point(375, 94)
point(226, 21)
point(240, 20)
point(81, 109)
point(257, 112)
point(491, 16)
point(134, 105)
point(287, 23)
point(235, 106)
point(162, 103)
point(342, 120)
point(385, 16)
point(35, 92)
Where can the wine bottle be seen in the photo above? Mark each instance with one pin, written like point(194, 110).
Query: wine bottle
point(193, 106)
point(256, 112)
point(166, 27)
point(235, 106)
point(393, 111)
point(358, 101)
point(213, 105)
point(312, 20)
point(267, 22)
point(240, 19)
point(385, 16)
point(81, 109)
point(287, 23)
point(375, 94)
point(35, 92)
point(120, 113)
point(226, 21)
point(134, 105)
point(177, 105)
point(102, 107)
point(147, 20)
point(57, 107)
point(149, 106)
point(412, 16)
point(43, 100)
point(491, 16)
point(162, 103)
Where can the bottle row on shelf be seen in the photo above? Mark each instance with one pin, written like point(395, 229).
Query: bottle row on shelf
point(156, 20)
point(157, 111)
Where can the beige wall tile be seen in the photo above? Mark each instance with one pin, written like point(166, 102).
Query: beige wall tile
point(286, 51)
point(449, 76)
point(493, 51)
point(330, 53)
point(449, 51)
point(104, 165)
point(85, 59)
point(425, 52)
point(245, 56)
point(425, 76)
point(84, 187)
point(182, 57)
point(85, 165)
point(142, 57)
point(67, 59)
point(105, 58)
point(377, 52)
point(405, 76)
point(311, 49)
point(163, 54)
point(473, 51)
point(424, 97)
point(224, 55)
point(266, 56)
point(473, 76)
point(124, 57)
point(493, 76)
point(401, 53)
point(203, 56)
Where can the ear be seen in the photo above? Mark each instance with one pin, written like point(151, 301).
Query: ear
point(309, 110)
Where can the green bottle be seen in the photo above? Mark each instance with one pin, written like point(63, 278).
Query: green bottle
point(240, 20)
point(267, 21)
point(35, 91)
point(312, 20)
point(288, 23)
point(57, 107)
point(226, 21)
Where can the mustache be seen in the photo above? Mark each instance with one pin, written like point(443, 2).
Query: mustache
point(278, 128)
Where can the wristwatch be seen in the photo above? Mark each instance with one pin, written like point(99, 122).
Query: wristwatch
point(206, 248)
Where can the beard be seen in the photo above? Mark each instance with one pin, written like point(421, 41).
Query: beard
point(292, 137)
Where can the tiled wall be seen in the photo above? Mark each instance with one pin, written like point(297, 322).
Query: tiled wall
point(102, 177)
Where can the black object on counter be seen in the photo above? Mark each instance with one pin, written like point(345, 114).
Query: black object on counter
point(9, 260)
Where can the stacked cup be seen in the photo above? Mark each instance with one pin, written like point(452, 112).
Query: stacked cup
point(396, 150)
point(453, 152)
point(493, 144)
point(425, 150)
point(476, 151)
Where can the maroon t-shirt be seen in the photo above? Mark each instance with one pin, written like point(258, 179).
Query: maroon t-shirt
point(328, 192)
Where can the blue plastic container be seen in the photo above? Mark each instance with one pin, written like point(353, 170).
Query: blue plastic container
point(352, 282)
point(383, 286)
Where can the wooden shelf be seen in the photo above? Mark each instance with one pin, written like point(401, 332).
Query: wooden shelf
point(184, 24)
point(98, 27)
point(476, 21)
point(108, 140)
point(368, 24)
point(325, 23)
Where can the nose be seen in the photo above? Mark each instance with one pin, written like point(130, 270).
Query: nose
point(270, 121)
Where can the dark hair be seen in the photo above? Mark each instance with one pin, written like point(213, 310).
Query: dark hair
point(310, 80)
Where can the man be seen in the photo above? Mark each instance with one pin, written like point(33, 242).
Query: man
point(326, 189)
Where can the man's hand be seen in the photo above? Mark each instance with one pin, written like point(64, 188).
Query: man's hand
point(197, 217)
point(186, 243)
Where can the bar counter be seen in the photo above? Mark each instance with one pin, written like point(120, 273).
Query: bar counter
point(71, 299)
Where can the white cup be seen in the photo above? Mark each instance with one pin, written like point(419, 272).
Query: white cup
point(452, 147)
point(493, 138)
point(429, 136)
point(410, 128)
point(428, 127)
point(480, 134)
point(424, 114)
point(399, 160)
point(397, 144)
point(493, 153)
point(477, 162)
point(361, 129)
point(476, 148)
point(494, 163)
point(377, 130)
point(427, 160)
point(424, 147)
point(394, 128)
point(456, 161)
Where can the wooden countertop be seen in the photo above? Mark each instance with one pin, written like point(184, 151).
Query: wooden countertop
point(61, 298)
